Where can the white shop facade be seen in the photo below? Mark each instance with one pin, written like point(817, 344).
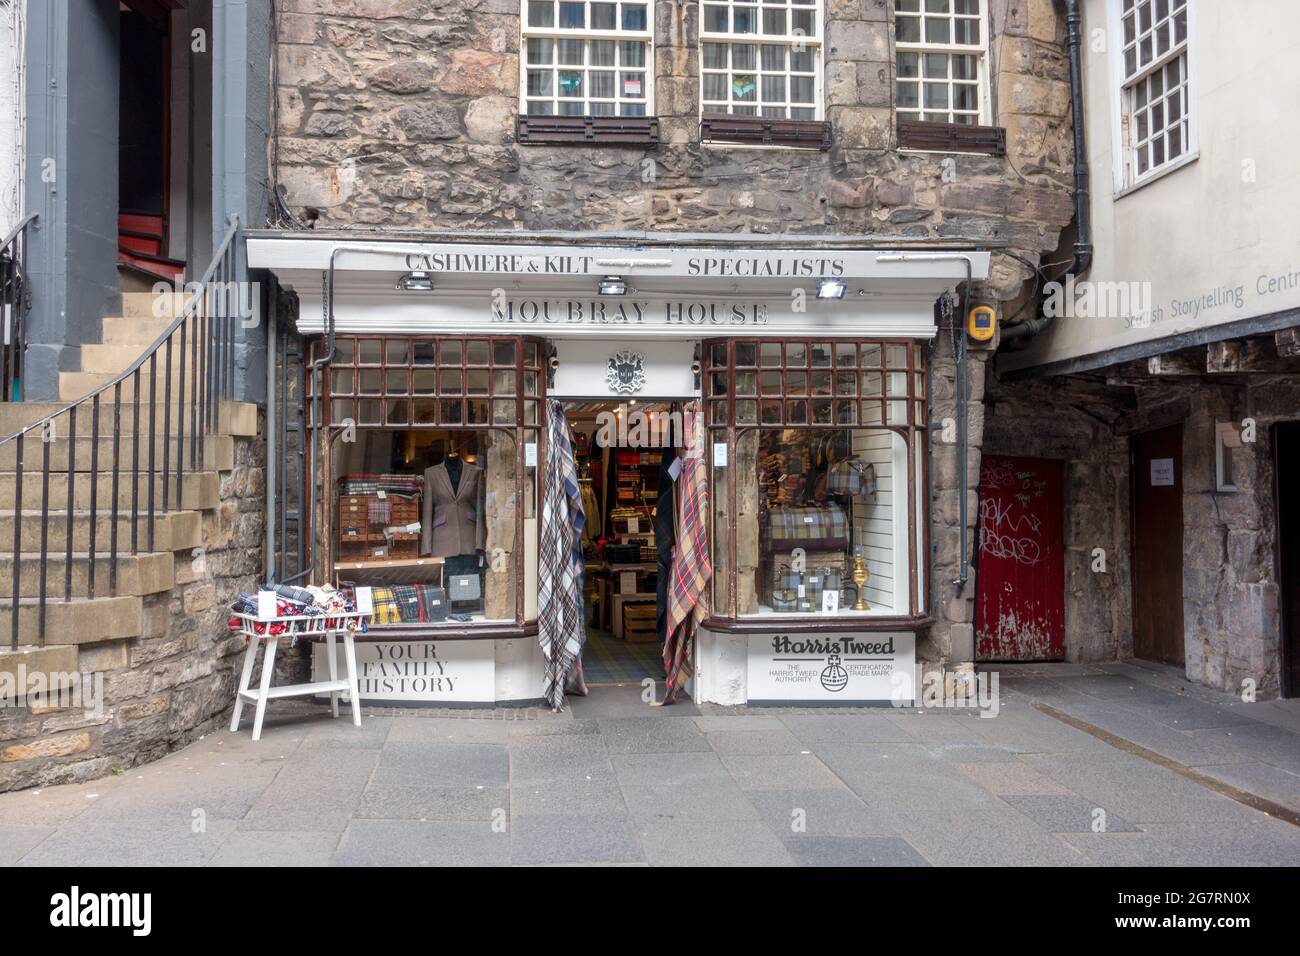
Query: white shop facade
point(431, 365)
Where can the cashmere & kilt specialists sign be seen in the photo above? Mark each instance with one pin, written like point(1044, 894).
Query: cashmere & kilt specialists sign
point(854, 668)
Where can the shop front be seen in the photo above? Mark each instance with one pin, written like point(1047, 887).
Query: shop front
point(795, 376)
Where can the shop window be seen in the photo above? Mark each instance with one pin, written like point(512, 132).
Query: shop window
point(817, 451)
point(1156, 127)
point(941, 86)
point(432, 475)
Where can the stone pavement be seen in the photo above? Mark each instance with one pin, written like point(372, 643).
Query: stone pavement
point(612, 781)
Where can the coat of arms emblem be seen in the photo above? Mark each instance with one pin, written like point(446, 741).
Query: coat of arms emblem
point(625, 374)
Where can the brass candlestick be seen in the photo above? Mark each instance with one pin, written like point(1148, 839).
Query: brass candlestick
point(860, 578)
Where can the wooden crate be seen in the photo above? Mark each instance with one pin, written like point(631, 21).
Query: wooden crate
point(639, 623)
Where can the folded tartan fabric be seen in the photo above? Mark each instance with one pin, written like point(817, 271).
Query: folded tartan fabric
point(379, 512)
point(357, 484)
point(807, 523)
point(387, 610)
point(297, 602)
point(407, 597)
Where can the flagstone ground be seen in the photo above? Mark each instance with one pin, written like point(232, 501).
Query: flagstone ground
point(613, 781)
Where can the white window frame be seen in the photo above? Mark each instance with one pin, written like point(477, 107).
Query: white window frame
point(815, 40)
point(556, 33)
point(980, 51)
point(1123, 147)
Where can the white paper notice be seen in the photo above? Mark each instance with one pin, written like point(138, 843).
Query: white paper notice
point(530, 455)
point(675, 469)
point(831, 601)
point(265, 605)
point(366, 600)
point(719, 454)
point(627, 582)
point(633, 526)
point(1162, 472)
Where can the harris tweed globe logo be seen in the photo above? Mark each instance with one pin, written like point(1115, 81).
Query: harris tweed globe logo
point(834, 677)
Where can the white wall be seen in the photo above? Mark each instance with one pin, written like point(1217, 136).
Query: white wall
point(12, 19)
point(1225, 221)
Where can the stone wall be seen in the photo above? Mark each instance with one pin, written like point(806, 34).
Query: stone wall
point(1083, 425)
point(1231, 616)
point(400, 114)
point(177, 680)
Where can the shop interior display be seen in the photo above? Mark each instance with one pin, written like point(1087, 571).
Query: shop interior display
point(417, 531)
point(808, 483)
point(619, 450)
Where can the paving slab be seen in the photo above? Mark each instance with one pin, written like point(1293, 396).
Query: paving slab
point(756, 742)
point(628, 735)
point(410, 843)
point(1139, 791)
point(1268, 843)
point(542, 759)
point(853, 851)
point(1067, 813)
point(450, 730)
point(442, 764)
point(693, 801)
point(839, 813)
point(114, 845)
point(1012, 779)
point(1265, 780)
point(381, 802)
point(15, 842)
point(539, 840)
point(781, 772)
point(278, 848)
point(846, 728)
point(668, 769)
point(558, 797)
point(711, 843)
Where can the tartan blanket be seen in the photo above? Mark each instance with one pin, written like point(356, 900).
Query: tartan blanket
point(691, 566)
point(807, 523)
point(560, 627)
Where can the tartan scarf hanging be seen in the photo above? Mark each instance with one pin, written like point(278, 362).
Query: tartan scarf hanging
point(691, 566)
point(560, 629)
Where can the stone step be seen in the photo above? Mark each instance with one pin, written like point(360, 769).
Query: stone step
point(75, 385)
point(27, 662)
point(174, 531)
point(120, 330)
point(137, 574)
point(84, 621)
point(218, 451)
point(111, 359)
point(141, 305)
point(200, 490)
point(234, 418)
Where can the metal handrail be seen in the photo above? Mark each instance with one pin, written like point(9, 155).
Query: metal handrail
point(15, 301)
point(198, 345)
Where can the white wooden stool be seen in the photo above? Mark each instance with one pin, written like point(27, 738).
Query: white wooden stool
point(299, 627)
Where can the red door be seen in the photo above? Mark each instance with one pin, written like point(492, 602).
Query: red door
point(1020, 570)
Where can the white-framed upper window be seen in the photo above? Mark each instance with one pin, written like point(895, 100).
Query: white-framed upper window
point(941, 61)
point(761, 58)
point(1155, 84)
point(587, 58)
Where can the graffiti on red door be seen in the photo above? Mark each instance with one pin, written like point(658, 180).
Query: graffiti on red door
point(1020, 571)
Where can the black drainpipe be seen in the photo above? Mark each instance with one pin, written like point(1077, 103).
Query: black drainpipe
point(1082, 179)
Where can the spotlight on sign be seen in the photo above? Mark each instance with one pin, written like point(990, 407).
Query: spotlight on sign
point(830, 289)
point(415, 282)
point(613, 285)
